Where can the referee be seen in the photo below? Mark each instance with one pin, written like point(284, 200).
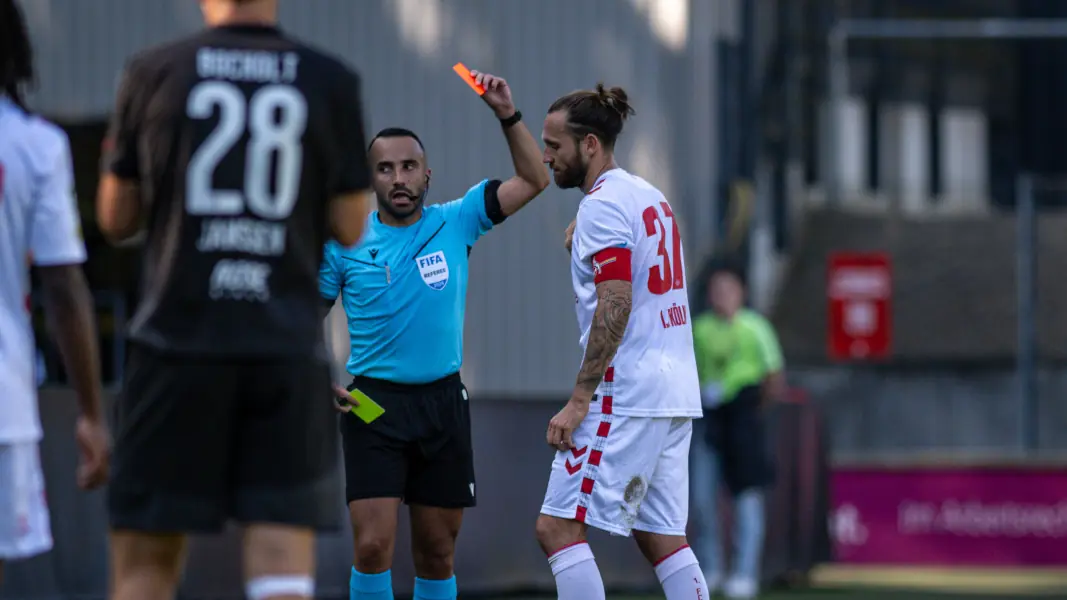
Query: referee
point(404, 288)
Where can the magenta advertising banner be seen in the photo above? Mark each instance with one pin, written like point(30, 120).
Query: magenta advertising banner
point(950, 516)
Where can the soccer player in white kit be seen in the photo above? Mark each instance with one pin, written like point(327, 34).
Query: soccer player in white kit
point(39, 225)
point(622, 441)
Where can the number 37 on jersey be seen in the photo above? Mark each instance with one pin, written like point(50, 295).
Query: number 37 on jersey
point(668, 271)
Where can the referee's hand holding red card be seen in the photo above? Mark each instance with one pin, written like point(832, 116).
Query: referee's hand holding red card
point(497, 93)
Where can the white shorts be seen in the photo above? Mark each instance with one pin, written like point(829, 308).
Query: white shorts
point(25, 530)
point(625, 473)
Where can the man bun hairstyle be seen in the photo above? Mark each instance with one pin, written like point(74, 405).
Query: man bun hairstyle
point(601, 112)
point(615, 98)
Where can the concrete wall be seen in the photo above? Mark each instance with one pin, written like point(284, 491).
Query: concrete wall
point(521, 339)
point(964, 411)
point(496, 553)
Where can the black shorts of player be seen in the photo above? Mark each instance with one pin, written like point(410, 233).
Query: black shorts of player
point(200, 442)
point(737, 431)
point(418, 450)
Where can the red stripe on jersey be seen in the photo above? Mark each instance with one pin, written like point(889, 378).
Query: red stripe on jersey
point(605, 405)
point(609, 375)
point(603, 429)
point(611, 264)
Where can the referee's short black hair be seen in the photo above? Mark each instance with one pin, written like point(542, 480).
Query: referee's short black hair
point(16, 54)
point(395, 132)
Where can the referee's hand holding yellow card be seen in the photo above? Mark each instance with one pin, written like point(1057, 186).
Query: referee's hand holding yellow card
point(343, 402)
point(357, 403)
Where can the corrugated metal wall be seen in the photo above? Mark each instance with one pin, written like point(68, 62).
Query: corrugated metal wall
point(521, 337)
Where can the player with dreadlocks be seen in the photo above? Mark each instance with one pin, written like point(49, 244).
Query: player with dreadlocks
point(16, 58)
point(39, 218)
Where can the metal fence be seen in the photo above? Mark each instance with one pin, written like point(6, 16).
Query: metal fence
point(913, 148)
point(979, 359)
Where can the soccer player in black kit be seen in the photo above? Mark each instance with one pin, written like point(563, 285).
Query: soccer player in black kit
point(233, 149)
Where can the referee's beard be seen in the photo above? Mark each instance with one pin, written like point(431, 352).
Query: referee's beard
point(408, 207)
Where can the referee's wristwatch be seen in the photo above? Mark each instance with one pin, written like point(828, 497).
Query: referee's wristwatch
point(513, 119)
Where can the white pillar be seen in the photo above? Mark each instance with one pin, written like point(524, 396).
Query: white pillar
point(850, 164)
point(904, 154)
point(964, 157)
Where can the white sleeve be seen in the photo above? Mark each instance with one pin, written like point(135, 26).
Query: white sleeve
point(55, 229)
point(601, 224)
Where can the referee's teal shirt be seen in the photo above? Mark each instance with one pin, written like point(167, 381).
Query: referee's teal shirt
point(404, 289)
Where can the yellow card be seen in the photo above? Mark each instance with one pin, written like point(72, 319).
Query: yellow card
point(368, 409)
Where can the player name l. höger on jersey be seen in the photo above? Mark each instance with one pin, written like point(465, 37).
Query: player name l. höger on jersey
point(654, 371)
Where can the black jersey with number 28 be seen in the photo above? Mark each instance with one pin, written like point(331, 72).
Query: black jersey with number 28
point(238, 138)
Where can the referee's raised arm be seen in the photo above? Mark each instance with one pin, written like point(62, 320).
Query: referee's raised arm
point(531, 176)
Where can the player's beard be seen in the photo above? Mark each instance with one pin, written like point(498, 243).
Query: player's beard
point(572, 176)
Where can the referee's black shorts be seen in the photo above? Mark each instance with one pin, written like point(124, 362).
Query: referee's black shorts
point(199, 442)
point(418, 450)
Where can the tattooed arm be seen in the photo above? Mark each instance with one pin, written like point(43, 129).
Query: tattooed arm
point(614, 300)
point(601, 234)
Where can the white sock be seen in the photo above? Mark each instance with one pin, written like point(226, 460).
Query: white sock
point(577, 576)
point(679, 574)
point(275, 586)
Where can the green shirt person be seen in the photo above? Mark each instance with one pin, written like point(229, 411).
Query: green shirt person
point(736, 348)
point(740, 365)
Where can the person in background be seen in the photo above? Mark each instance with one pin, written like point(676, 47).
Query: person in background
point(39, 227)
point(739, 362)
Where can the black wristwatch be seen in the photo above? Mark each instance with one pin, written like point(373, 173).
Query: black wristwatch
point(513, 119)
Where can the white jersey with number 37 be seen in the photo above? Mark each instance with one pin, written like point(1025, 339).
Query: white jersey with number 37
point(39, 223)
point(625, 229)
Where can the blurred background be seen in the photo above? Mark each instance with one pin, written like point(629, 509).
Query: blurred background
point(890, 172)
